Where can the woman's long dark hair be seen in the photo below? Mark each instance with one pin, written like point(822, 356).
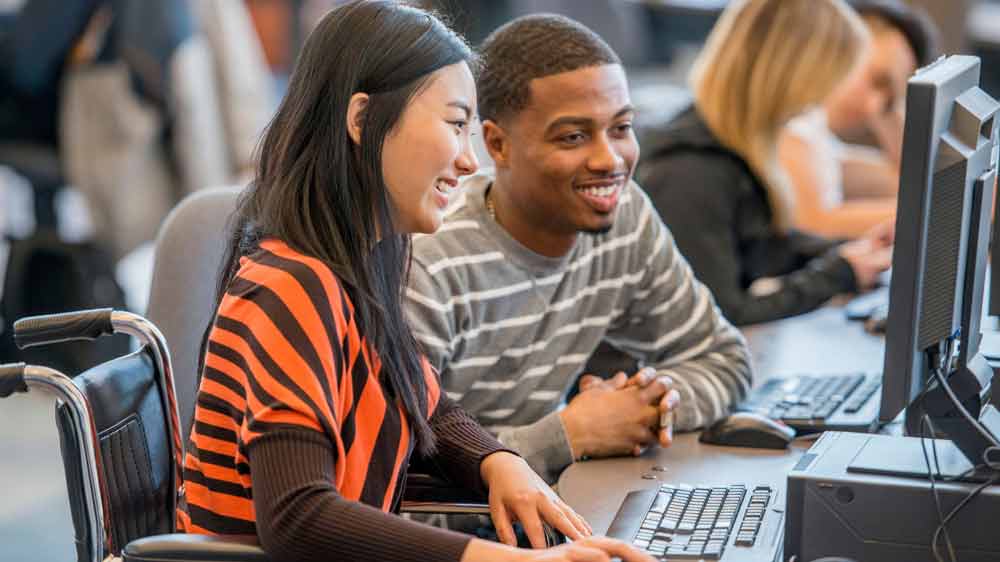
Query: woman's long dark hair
point(325, 196)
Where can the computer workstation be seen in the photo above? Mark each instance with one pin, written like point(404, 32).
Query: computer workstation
point(838, 494)
point(867, 496)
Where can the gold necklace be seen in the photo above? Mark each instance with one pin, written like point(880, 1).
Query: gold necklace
point(490, 208)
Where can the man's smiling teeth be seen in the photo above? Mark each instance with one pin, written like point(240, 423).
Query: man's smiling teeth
point(442, 187)
point(605, 191)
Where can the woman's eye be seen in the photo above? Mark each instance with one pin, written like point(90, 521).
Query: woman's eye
point(460, 125)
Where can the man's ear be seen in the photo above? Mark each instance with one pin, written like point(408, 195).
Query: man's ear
point(497, 143)
point(356, 110)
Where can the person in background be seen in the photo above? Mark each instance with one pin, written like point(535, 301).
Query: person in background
point(713, 172)
point(314, 393)
point(843, 190)
point(557, 251)
point(245, 85)
point(133, 104)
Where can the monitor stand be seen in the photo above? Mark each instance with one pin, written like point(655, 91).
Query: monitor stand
point(905, 458)
point(887, 456)
point(989, 346)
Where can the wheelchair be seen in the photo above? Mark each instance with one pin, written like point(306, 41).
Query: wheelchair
point(122, 449)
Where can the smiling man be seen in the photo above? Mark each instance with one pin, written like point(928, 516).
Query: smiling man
point(556, 252)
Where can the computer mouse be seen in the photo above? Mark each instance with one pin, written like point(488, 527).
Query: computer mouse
point(878, 321)
point(862, 306)
point(744, 429)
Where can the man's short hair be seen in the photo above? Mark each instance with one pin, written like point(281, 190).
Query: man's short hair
point(530, 47)
point(913, 23)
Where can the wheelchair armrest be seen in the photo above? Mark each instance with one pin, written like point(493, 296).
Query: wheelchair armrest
point(191, 548)
point(430, 494)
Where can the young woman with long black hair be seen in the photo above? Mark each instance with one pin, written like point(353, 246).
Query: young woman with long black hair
point(314, 393)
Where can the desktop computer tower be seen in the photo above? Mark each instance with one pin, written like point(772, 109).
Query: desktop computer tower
point(868, 498)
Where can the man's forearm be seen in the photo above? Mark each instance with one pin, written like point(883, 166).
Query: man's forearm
point(543, 445)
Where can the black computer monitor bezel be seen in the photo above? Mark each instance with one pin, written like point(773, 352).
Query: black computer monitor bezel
point(931, 99)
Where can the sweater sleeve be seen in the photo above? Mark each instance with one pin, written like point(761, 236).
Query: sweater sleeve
point(302, 517)
point(672, 324)
point(462, 444)
point(697, 198)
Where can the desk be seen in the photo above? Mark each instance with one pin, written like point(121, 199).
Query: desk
point(822, 341)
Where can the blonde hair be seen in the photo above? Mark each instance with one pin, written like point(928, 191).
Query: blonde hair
point(765, 62)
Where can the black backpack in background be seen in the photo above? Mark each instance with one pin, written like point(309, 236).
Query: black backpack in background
point(46, 275)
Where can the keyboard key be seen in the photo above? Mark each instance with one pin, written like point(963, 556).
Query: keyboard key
point(713, 551)
point(686, 556)
point(661, 502)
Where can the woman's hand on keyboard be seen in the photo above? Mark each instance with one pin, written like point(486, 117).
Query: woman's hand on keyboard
point(518, 494)
point(593, 549)
point(590, 549)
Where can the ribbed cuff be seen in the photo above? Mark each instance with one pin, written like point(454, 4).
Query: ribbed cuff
point(462, 444)
point(543, 445)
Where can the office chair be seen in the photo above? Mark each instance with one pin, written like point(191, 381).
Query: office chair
point(189, 252)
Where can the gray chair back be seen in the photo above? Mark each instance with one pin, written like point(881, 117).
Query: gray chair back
point(189, 252)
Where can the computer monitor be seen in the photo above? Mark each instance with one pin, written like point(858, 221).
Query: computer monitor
point(944, 212)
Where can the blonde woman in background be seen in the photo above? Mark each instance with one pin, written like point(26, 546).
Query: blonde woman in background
point(713, 171)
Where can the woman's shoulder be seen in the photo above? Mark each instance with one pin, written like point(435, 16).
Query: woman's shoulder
point(277, 271)
point(685, 146)
point(695, 171)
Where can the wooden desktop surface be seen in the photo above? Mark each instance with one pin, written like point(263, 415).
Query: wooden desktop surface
point(823, 341)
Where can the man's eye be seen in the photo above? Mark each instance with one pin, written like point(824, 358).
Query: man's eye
point(573, 138)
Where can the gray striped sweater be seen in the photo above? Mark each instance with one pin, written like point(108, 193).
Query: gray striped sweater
point(510, 330)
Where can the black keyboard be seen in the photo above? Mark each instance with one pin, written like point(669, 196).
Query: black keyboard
point(689, 523)
point(806, 402)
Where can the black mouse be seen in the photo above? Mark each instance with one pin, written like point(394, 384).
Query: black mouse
point(744, 429)
point(878, 320)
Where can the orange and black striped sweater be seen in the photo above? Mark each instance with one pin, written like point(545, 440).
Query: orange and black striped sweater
point(295, 441)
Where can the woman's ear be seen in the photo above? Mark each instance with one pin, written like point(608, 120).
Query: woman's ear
point(356, 110)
